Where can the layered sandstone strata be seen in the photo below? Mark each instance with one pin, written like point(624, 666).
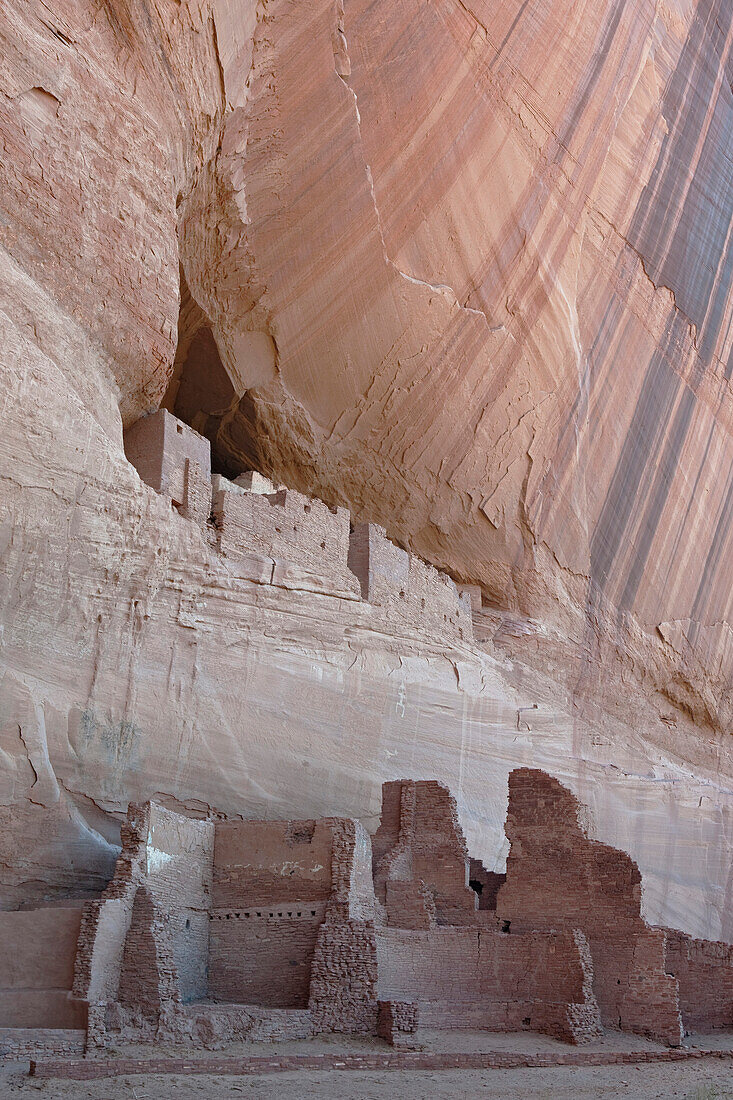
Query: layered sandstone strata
point(467, 272)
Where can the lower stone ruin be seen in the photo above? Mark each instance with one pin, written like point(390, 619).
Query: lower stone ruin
point(215, 931)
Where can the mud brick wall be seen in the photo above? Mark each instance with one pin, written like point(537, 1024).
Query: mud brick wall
point(410, 905)
point(174, 460)
point(343, 994)
point(265, 863)
point(704, 970)
point(406, 587)
point(37, 952)
point(464, 977)
point(557, 878)
point(395, 1018)
point(285, 525)
point(419, 839)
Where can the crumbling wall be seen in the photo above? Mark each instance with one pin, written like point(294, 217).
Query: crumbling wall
point(292, 924)
point(476, 978)
point(485, 884)
point(557, 878)
point(149, 980)
point(704, 970)
point(420, 841)
point(174, 460)
point(406, 587)
point(170, 857)
point(37, 952)
point(343, 995)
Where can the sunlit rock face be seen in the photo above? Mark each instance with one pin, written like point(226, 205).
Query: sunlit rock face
point(463, 267)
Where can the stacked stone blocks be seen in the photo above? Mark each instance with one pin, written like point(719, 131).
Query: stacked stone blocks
point(252, 518)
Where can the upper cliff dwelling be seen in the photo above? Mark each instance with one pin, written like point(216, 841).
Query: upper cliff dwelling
point(200, 392)
point(366, 517)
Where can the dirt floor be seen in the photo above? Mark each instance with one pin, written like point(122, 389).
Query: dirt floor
point(704, 1079)
point(710, 1079)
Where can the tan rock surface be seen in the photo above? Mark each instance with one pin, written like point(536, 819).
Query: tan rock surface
point(463, 267)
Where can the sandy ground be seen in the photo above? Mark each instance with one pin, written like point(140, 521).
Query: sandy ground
point(711, 1079)
point(705, 1079)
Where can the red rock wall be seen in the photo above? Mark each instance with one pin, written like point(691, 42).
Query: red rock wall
point(487, 305)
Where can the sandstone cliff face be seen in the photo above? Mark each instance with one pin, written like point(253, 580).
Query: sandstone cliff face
point(465, 267)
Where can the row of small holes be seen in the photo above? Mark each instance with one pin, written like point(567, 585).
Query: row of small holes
point(228, 916)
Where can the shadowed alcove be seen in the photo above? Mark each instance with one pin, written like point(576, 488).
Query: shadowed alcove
point(201, 393)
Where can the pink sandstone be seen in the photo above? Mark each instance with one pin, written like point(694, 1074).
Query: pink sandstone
point(462, 282)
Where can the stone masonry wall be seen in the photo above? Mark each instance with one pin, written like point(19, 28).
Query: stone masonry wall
point(343, 993)
point(174, 460)
point(470, 977)
point(557, 878)
point(704, 971)
point(406, 587)
point(419, 840)
point(149, 980)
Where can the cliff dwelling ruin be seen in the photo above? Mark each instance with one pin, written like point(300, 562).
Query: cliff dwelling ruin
point(366, 547)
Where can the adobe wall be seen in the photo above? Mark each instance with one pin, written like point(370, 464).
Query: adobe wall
point(419, 847)
point(470, 977)
point(37, 952)
point(557, 878)
point(704, 970)
point(285, 525)
point(174, 460)
point(406, 587)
